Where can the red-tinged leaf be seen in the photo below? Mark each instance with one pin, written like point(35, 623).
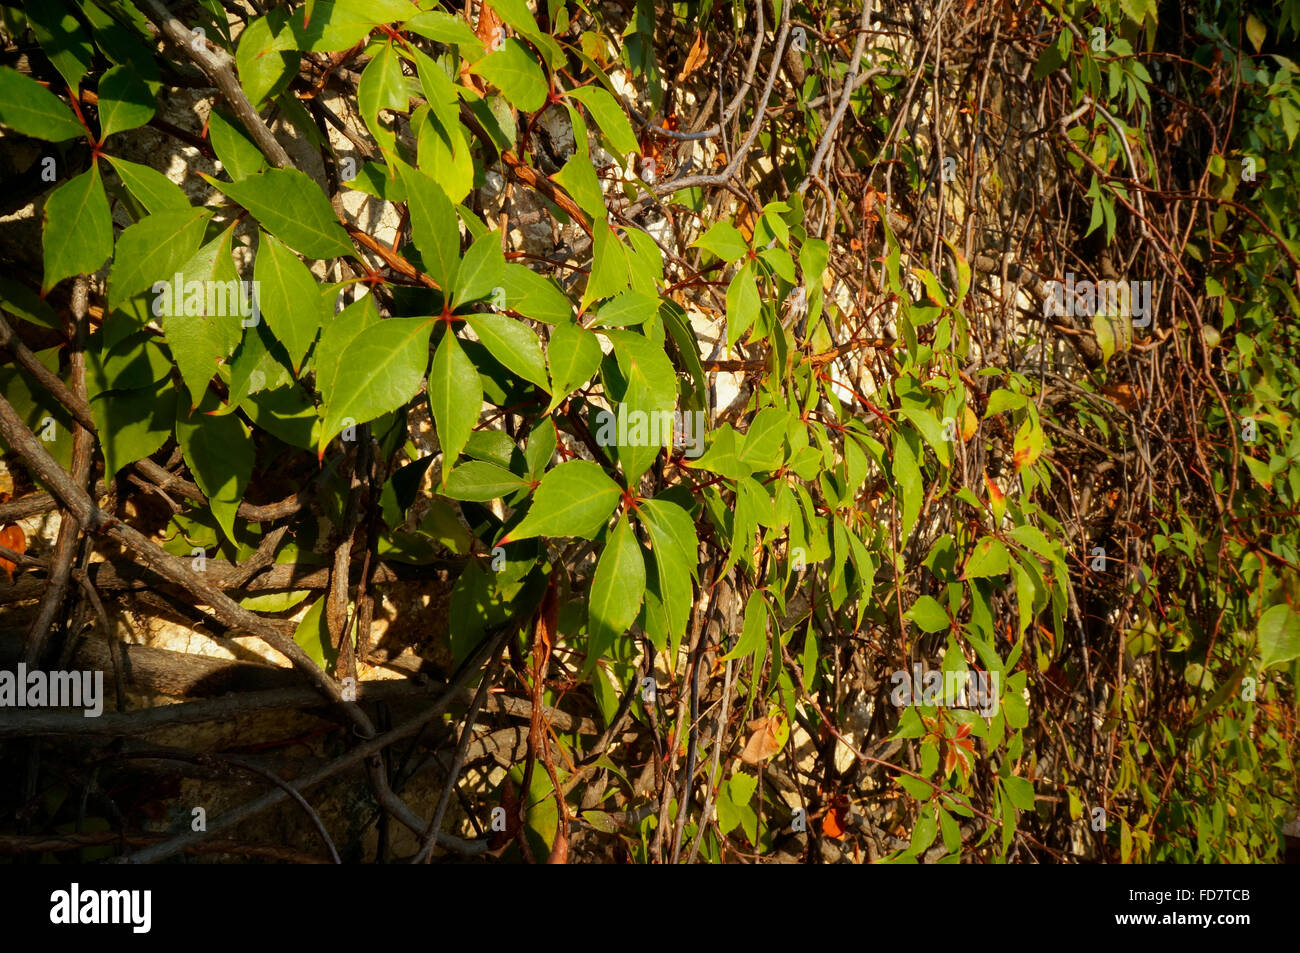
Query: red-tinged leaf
point(12, 537)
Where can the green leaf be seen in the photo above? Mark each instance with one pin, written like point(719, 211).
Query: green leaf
point(29, 108)
point(535, 296)
point(725, 241)
point(923, 833)
point(514, 70)
point(289, 296)
point(133, 424)
point(443, 149)
point(456, 397)
point(651, 394)
point(78, 235)
point(672, 533)
point(219, 452)
point(379, 371)
point(578, 178)
point(480, 273)
point(480, 482)
point(762, 449)
point(202, 318)
point(627, 310)
point(753, 634)
point(907, 475)
point(574, 499)
point(516, 14)
point(609, 115)
point(292, 208)
point(723, 456)
point(929, 615)
point(990, 558)
point(1279, 635)
point(445, 28)
point(155, 191)
point(237, 153)
point(137, 360)
point(574, 355)
point(743, 304)
point(1020, 791)
point(265, 58)
point(313, 635)
point(617, 589)
point(125, 102)
point(651, 380)
point(512, 343)
point(152, 249)
point(332, 25)
point(434, 226)
point(62, 40)
point(609, 268)
point(24, 303)
point(382, 86)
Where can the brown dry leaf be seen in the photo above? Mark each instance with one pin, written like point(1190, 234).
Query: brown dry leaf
point(12, 537)
point(1121, 394)
point(696, 57)
point(488, 25)
point(765, 740)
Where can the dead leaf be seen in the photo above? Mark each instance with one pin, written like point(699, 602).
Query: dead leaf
point(769, 737)
point(696, 57)
point(1121, 394)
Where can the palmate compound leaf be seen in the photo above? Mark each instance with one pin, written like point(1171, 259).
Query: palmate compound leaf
point(455, 397)
point(574, 499)
point(616, 589)
point(78, 235)
point(378, 371)
point(292, 208)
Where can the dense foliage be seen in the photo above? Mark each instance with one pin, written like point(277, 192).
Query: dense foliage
point(728, 367)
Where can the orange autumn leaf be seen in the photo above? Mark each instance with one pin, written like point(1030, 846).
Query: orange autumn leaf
point(12, 537)
point(833, 822)
point(745, 223)
point(968, 424)
point(696, 57)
